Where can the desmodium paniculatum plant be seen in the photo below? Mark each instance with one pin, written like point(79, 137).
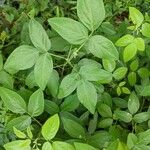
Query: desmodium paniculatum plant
point(76, 80)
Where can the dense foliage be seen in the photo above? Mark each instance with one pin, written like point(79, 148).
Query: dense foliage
point(74, 74)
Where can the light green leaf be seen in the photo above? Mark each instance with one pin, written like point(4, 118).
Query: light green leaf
point(50, 127)
point(109, 65)
point(125, 40)
point(136, 16)
point(146, 30)
point(91, 14)
point(134, 65)
point(144, 72)
point(120, 73)
point(140, 44)
point(23, 57)
point(87, 95)
point(145, 91)
point(81, 146)
point(73, 128)
point(131, 140)
point(19, 133)
point(58, 145)
point(47, 146)
point(29, 132)
point(18, 145)
point(105, 123)
point(39, 36)
point(43, 69)
point(68, 85)
point(141, 117)
point(72, 31)
point(13, 101)
point(133, 103)
point(101, 47)
point(36, 103)
point(30, 80)
point(144, 137)
point(132, 78)
point(129, 52)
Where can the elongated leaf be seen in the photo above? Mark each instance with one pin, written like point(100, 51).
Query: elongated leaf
point(59, 145)
point(72, 31)
point(120, 73)
point(12, 100)
point(91, 14)
point(87, 95)
point(39, 36)
point(101, 47)
point(43, 69)
point(21, 58)
point(50, 128)
point(36, 103)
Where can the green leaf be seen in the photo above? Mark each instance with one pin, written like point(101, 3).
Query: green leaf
point(81, 146)
point(131, 140)
point(105, 123)
point(144, 137)
point(91, 14)
point(101, 47)
point(47, 146)
point(133, 103)
point(73, 128)
point(146, 30)
point(134, 65)
point(141, 117)
point(87, 95)
point(136, 16)
point(123, 116)
point(58, 145)
point(145, 91)
point(129, 52)
point(50, 127)
point(125, 40)
point(53, 83)
point(140, 44)
point(43, 69)
point(21, 123)
point(144, 72)
point(6, 80)
point(132, 78)
point(19, 134)
point(109, 65)
point(23, 57)
point(39, 36)
point(36, 103)
point(13, 101)
point(72, 31)
point(68, 85)
point(29, 132)
point(30, 80)
point(104, 110)
point(1, 61)
point(70, 103)
point(120, 73)
point(18, 145)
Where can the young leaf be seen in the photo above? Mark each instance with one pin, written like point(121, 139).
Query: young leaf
point(133, 103)
point(136, 16)
point(39, 36)
point(101, 47)
point(43, 69)
point(140, 44)
point(146, 30)
point(125, 40)
point(20, 144)
point(29, 132)
point(13, 101)
point(73, 128)
point(36, 103)
point(109, 64)
point(91, 14)
point(129, 52)
point(81, 146)
point(59, 145)
point(72, 31)
point(68, 85)
point(120, 73)
point(19, 133)
point(134, 65)
point(50, 127)
point(23, 57)
point(47, 146)
point(87, 95)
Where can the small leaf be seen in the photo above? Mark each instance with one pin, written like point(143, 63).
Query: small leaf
point(23, 57)
point(12, 100)
point(145, 91)
point(141, 117)
point(133, 103)
point(120, 73)
point(144, 137)
point(29, 132)
point(129, 52)
point(101, 47)
point(47, 146)
point(50, 127)
point(39, 36)
point(81, 146)
point(87, 95)
point(58, 145)
point(19, 134)
point(132, 78)
point(91, 14)
point(144, 72)
point(109, 65)
point(140, 44)
point(131, 140)
point(36, 103)
point(134, 65)
point(146, 30)
point(105, 123)
point(72, 31)
point(43, 69)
